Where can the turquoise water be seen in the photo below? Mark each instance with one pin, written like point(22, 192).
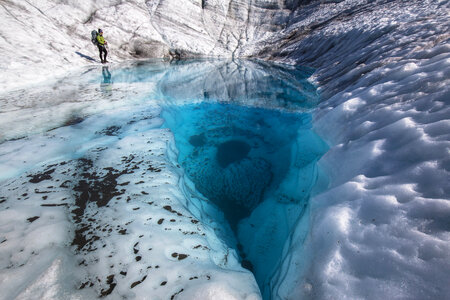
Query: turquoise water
point(234, 154)
point(243, 132)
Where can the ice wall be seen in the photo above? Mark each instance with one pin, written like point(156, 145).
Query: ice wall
point(217, 27)
point(41, 39)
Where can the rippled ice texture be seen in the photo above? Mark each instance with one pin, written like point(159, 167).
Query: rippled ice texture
point(381, 229)
point(94, 203)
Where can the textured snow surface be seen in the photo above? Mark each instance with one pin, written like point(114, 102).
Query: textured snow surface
point(379, 228)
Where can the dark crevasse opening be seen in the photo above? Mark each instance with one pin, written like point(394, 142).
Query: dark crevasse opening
point(243, 132)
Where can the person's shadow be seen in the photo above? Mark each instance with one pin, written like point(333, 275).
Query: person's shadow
point(106, 84)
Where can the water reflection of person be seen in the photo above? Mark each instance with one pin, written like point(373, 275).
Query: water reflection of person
point(106, 84)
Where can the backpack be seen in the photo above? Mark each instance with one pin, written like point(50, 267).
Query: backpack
point(94, 34)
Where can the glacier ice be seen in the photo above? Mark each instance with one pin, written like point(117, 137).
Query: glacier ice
point(125, 199)
point(378, 223)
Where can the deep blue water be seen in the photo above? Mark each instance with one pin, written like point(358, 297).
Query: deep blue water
point(234, 154)
point(243, 132)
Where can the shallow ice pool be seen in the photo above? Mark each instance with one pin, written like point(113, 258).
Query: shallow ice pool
point(90, 150)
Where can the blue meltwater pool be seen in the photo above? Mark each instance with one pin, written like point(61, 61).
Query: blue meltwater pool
point(243, 132)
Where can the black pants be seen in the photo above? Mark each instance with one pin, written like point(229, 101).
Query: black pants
point(102, 49)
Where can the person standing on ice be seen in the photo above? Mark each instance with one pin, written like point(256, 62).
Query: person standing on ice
point(101, 43)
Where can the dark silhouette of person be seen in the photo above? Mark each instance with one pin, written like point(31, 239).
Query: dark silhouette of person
point(101, 43)
point(106, 75)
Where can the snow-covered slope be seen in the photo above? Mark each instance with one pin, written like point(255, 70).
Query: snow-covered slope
point(379, 228)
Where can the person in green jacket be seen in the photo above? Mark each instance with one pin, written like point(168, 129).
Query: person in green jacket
point(101, 43)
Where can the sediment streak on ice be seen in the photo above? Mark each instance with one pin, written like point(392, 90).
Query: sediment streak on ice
point(107, 219)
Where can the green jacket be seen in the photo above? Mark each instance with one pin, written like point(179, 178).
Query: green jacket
point(100, 40)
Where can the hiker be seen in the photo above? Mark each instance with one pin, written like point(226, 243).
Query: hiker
point(101, 46)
